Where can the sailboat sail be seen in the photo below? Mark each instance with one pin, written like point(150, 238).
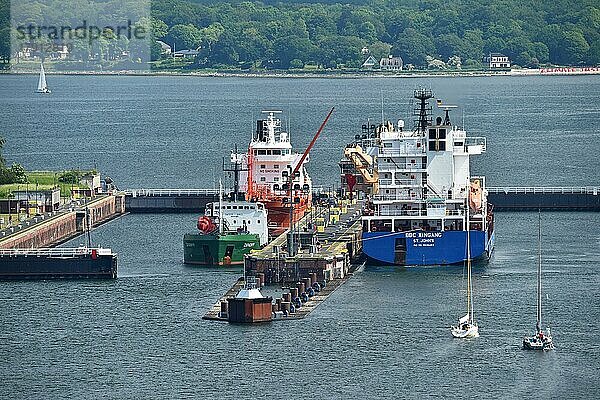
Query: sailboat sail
point(464, 319)
point(42, 82)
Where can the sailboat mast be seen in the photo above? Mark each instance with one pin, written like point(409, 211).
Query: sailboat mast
point(469, 280)
point(538, 325)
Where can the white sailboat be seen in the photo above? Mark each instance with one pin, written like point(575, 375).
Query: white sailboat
point(467, 327)
point(42, 85)
point(541, 340)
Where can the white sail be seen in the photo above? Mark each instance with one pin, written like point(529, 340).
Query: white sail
point(42, 82)
point(464, 319)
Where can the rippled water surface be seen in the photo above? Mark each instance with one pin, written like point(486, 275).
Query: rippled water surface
point(384, 334)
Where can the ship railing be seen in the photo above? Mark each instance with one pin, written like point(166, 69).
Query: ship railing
point(401, 213)
point(419, 213)
point(392, 197)
point(53, 252)
point(594, 190)
point(476, 141)
point(402, 152)
point(393, 166)
point(170, 192)
point(398, 182)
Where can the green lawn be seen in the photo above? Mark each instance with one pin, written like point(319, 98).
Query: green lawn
point(40, 180)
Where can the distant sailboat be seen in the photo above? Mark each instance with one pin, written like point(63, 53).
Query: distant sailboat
point(42, 85)
point(541, 340)
point(467, 327)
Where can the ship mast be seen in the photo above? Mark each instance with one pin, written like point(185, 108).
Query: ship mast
point(423, 111)
point(237, 168)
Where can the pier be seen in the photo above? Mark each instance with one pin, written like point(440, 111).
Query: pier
point(56, 227)
point(26, 250)
point(58, 263)
point(329, 242)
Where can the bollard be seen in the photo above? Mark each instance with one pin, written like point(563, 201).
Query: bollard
point(294, 292)
point(224, 309)
point(313, 278)
point(307, 283)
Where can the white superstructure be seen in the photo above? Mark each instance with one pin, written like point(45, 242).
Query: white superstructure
point(270, 159)
point(423, 175)
point(242, 216)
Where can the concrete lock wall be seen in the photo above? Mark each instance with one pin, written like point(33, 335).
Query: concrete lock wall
point(64, 227)
point(45, 234)
point(106, 208)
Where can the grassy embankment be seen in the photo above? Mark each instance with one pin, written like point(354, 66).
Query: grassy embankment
point(37, 180)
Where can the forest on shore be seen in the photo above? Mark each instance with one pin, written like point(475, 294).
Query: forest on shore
point(328, 34)
point(284, 34)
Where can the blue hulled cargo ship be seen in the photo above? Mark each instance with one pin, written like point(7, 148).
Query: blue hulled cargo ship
point(422, 201)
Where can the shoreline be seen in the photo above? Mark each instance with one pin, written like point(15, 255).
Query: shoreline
point(557, 71)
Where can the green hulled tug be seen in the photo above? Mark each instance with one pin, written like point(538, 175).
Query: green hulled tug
point(228, 230)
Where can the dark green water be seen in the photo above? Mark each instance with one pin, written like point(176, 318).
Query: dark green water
point(384, 334)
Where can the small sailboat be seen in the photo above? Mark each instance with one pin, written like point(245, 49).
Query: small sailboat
point(541, 340)
point(42, 85)
point(467, 327)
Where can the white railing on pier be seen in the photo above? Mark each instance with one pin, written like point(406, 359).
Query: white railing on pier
point(54, 252)
point(170, 192)
point(595, 190)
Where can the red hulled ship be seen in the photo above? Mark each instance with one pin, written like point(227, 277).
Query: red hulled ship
point(270, 162)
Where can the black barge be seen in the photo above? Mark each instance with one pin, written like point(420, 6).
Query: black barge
point(58, 263)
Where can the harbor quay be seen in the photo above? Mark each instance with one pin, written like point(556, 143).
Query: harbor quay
point(53, 228)
point(27, 249)
point(307, 263)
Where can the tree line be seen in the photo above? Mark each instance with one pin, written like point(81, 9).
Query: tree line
point(291, 34)
point(276, 34)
